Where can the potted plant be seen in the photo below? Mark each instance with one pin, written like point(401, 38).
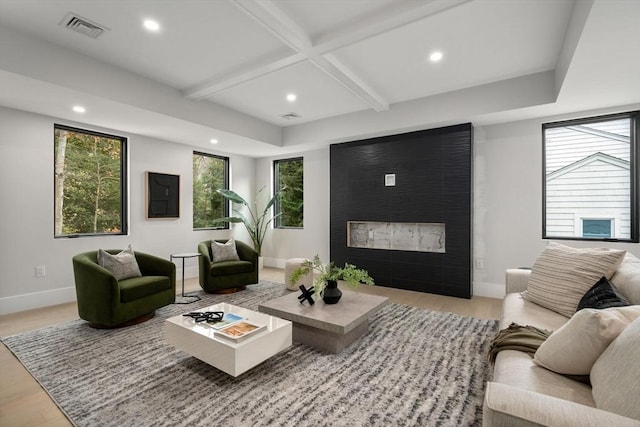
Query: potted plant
point(325, 281)
point(256, 223)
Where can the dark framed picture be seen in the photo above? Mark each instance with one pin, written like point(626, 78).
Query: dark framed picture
point(163, 195)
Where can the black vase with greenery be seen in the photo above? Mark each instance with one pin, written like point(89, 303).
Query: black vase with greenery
point(331, 294)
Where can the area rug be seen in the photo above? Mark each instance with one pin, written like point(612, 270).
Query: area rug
point(414, 367)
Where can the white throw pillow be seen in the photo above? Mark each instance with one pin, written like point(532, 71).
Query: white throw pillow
point(575, 347)
point(224, 251)
point(615, 376)
point(627, 279)
point(561, 275)
point(122, 265)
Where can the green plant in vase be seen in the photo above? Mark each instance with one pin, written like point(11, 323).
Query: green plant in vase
point(328, 275)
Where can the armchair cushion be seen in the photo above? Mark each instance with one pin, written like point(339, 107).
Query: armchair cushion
point(122, 265)
point(225, 268)
point(140, 287)
point(224, 251)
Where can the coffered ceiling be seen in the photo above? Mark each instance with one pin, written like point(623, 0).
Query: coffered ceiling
point(223, 68)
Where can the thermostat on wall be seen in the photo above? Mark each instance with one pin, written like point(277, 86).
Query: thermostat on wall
point(390, 180)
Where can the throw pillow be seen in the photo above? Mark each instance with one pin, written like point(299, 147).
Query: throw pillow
point(627, 279)
point(616, 374)
point(122, 265)
point(575, 347)
point(224, 251)
point(602, 295)
point(561, 275)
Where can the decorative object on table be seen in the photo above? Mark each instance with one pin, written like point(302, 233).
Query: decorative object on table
point(205, 316)
point(163, 195)
point(240, 331)
point(256, 224)
point(307, 295)
point(351, 274)
point(185, 299)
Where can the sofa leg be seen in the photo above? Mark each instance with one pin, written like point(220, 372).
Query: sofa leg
point(134, 321)
point(230, 290)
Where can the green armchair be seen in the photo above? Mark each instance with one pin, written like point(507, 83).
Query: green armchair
point(227, 276)
point(106, 302)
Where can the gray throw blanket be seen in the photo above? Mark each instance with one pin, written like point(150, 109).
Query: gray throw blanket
point(523, 338)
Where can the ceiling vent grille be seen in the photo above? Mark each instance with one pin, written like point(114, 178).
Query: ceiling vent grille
point(291, 116)
point(82, 25)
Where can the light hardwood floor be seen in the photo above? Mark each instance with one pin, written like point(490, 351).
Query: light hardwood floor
point(24, 403)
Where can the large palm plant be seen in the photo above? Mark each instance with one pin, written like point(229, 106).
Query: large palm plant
point(256, 224)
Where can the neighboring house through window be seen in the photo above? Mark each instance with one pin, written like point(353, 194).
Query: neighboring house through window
point(90, 183)
point(209, 174)
point(590, 184)
point(289, 178)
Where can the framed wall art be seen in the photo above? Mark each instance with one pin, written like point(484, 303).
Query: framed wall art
point(162, 195)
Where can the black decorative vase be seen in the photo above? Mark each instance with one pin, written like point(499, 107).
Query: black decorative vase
point(331, 293)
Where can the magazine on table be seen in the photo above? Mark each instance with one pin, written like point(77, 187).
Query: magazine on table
point(227, 320)
point(238, 331)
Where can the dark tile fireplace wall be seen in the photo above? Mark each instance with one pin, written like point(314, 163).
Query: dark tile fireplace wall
point(433, 183)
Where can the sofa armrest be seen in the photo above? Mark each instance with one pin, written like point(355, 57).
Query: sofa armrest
point(516, 280)
point(509, 406)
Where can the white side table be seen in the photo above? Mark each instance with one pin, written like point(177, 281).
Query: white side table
point(183, 255)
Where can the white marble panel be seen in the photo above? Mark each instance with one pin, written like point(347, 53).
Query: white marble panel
point(401, 236)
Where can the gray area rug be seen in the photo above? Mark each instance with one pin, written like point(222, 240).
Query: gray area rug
point(414, 367)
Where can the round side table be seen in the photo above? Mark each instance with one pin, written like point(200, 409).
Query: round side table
point(185, 299)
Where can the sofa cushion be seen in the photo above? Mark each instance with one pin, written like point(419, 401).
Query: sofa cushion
point(574, 348)
point(516, 309)
point(224, 251)
point(616, 374)
point(602, 295)
point(627, 278)
point(140, 287)
point(122, 265)
point(226, 268)
point(562, 275)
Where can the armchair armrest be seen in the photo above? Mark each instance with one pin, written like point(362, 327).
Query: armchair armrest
point(151, 265)
point(247, 253)
point(509, 406)
point(516, 280)
point(96, 287)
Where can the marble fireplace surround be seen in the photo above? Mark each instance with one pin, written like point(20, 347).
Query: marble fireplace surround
point(399, 236)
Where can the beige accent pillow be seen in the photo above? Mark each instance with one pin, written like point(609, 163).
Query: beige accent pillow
point(561, 275)
point(615, 376)
point(224, 251)
point(627, 278)
point(122, 265)
point(575, 347)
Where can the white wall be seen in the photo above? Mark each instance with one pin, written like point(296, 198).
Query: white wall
point(26, 213)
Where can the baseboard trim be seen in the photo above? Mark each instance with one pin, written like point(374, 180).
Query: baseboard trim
point(30, 301)
point(489, 290)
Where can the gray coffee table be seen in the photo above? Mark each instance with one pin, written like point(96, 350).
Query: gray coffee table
point(328, 327)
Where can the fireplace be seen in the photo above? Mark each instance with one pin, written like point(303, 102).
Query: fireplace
point(398, 236)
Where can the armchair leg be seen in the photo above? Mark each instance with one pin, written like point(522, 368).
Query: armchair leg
point(230, 290)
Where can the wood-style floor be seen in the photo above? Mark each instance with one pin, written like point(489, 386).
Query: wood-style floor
point(24, 403)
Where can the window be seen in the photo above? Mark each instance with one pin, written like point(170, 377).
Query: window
point(288, 178)
point(590, 178)
point(90, 183)
point(209, 174)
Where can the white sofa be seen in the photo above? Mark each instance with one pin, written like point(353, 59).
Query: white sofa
point(522, 393)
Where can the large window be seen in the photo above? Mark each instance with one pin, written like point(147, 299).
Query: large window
point(591, 178)
point(209, 174)
point(288, 179)
point(90, 183)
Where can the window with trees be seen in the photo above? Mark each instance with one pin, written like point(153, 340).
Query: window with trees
point(90, 183)
point(590, 187)
point(209, 174)
point(288, 179)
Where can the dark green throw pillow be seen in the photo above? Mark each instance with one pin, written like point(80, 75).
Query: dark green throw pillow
point(602, 295)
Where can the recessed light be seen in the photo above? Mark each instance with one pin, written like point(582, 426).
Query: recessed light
point(435, 56)
point(79, 109)
point(213, 141)
point(151, 25)
point(291, 97)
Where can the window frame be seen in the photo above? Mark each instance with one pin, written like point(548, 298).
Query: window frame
point(124, 182)
point(634, 128)
point(276, 206)
point(225, 203)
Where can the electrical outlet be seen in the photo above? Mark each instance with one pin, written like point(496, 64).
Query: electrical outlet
point(479, 263)
point(41, 271)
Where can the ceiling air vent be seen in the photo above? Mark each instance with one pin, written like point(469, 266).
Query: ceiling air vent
point(291, 116)
point(82, 25)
